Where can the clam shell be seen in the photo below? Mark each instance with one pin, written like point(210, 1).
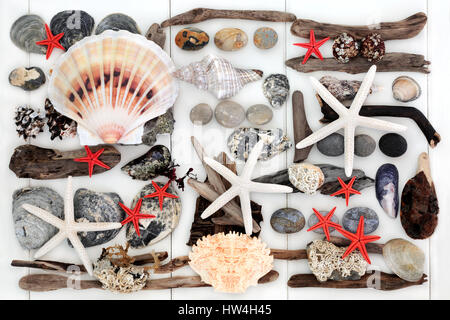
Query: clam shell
point(406, 89)
point(75, 24)
point(26, 31)
point(116, 22)
point(386, 189)
point(405, 259)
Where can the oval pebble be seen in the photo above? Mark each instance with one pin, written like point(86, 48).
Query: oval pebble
point(313, 220)
point(230, 39)
point(351, 217)
point(393, 145)
point(259, 114)
point(287, 220)
point(28, 79)
point(332, 146)
point(191, 39)
point(265, 38)
point(365, 145)
point(201, 114)
point(229, 114)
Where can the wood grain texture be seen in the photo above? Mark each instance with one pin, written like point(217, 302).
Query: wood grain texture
point(301, 126)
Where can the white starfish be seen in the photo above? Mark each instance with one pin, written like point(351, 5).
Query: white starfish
point(241, 186)
point(68, 228)
point(348, 119)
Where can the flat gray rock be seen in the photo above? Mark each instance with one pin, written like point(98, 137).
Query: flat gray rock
point(259, 114)
point(351, 217)
point(229, 114)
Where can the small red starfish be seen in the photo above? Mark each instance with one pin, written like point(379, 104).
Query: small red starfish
point(325, 222)
point(346, 189)
point(92, 159)
point(51, 41)
point(134, 215)
point(358, 240)
point(312, 46)
point(161, 193)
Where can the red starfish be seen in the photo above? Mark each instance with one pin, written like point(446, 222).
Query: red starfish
point(325, 222)
point(358, 240)
point(346, 189)
point(134, 215)
point(312, 46)
point(92, 159)
point(161, 193)
point(51, 41)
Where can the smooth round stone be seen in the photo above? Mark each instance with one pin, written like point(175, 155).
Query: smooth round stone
point(393, 145)
point(351, 217)
point(313, 220)
point(229, 114)
point(287, 220)
point(332, 146)
point(230, 39)
point(191, 39)
point(364, 145)
point(27, 78)
point(259, 114)
point(201, 114)
point(265, 38)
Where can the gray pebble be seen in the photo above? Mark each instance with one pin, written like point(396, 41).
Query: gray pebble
point(287, 220)
point(229, 114)
point(364, 145)
point(351, 217)
point(259, 114)
point(332, 146)
point(313, 220)
point(201, 114)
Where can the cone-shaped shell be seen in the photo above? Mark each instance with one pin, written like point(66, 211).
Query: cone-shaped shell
point(217, 76)
point(111, 85)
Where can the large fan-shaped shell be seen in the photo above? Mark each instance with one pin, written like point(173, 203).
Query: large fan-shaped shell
point(111, 84)
point(231, 262)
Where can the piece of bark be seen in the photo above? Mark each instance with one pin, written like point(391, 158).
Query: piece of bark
point(29, 161)
point(403, 29)
point(392, 62)
point(173, 265)
point(376, 248)
point(50, 282)
point(301, 126)
point(203, 14)
point(156, 34)
point(412, 113)
point(419, 204)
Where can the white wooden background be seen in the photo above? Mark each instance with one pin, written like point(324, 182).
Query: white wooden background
point(432, 42)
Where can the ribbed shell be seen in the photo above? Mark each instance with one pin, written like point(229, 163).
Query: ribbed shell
point(111, 84)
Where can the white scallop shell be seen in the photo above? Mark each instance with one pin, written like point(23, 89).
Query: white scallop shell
point(133, 83)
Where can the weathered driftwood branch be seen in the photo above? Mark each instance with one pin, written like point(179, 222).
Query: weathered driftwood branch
point(156, 34)
point(301, 126)
point(412, 113)
point(173, 265)
point(50, 282)
point(30, 161)
point(202, 14)
point(380, 281)
point(403, 29)
point(392, 62)
point(376, 248)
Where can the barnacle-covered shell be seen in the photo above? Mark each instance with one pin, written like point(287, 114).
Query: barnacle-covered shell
point(406, 89)
point(218, 76)
point(231, 262)
point(26, 31)
point(116, 22)
point(75, 24)
point(306, 177)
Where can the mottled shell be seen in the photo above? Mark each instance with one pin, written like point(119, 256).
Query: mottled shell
point(230, 39)
point(406, 89)
point(405, 259)
point(75, 24)
point(306, 177)
point(231, 262)
point(26, 31)
point(116, 22)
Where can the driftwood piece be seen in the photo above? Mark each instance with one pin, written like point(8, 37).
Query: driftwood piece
point(30, 161)
point(379, 280)
point(301, 126)
point(392, 62)
point(412, 113)
point(50, 282)
point(156, 34)
point(419, 204)
point(403, 29)
point(203, 14)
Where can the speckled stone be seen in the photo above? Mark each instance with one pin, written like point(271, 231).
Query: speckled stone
point(163, 124)
point(90, 206)
point(364, 145)
point(31, 231)
point(393, 145)
point(150, 165)
point(287, 220)
point(229, 114)
point(191, 39)
point(27, 78)
point(351, 217)
point(259, 114)
point(332, 146)
point(230, 39)
point(276, 89)
point(155, 229)
point(201, 114)
point(313, 220)
point(265, 38)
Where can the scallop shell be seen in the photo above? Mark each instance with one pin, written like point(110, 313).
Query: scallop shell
point(116, 22)
point(26, 31)
point(218, 76)
point(231, 262)
point(111, 85)
point(75, 24)
point(406, 89)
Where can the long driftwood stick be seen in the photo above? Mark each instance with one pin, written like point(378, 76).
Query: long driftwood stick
point(202, 14)
point(50, 282)
point(301, 126)
point(404, 29)
point(391, 62)
point(380, 281)
point(412, 113)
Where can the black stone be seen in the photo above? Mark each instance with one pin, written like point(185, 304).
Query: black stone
point(393, 145)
